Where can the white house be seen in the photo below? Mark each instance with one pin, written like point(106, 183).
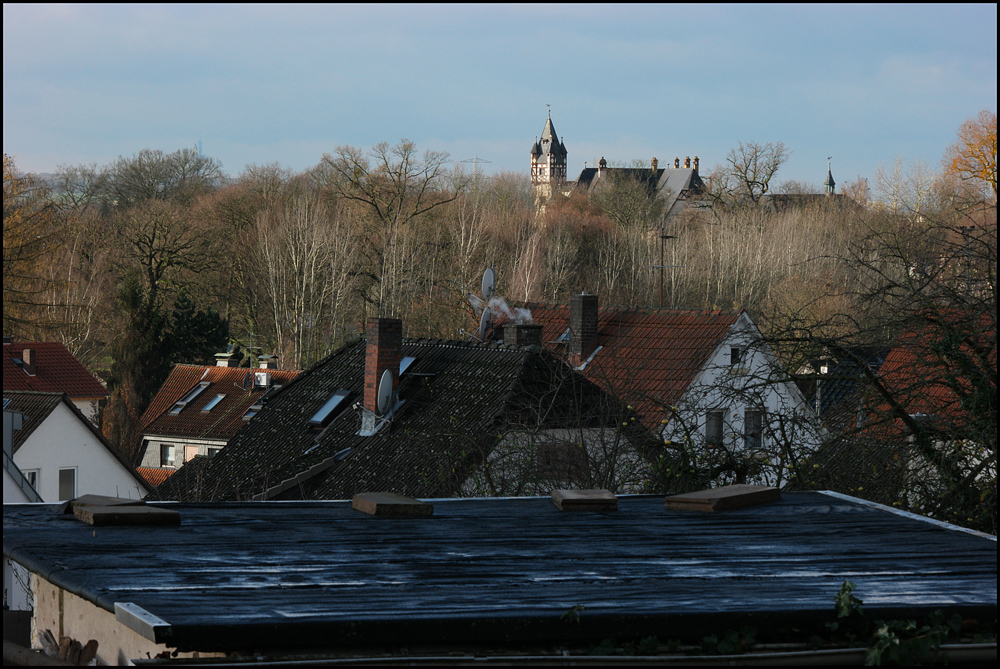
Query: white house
point(704, 380)
point(57, 454)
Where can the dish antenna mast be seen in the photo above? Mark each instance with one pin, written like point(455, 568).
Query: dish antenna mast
point(384, 397)
point(488, 290)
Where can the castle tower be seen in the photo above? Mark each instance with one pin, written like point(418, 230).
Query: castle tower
point(548, 162)
point(829, 186)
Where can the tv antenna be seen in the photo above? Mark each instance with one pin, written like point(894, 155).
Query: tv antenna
point(663, 238)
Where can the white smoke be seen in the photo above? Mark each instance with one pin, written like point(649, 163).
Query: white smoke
point(517, 315)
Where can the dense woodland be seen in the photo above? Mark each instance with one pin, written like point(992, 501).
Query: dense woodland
point(159, 258)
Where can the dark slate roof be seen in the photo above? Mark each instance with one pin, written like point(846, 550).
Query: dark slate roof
point(648, 357)
point(245, 576)
point(56, 371)
point(459, 398)
point(675, 184)
point(224, 420)
point(35, 406)
point(550, 140)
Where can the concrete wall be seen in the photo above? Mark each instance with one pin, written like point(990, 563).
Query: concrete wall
point(62, 441)
point(66, 614)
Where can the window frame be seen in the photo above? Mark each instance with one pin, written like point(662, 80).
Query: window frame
point(63, 470)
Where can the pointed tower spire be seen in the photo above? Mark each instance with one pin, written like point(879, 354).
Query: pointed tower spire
point(829, 186)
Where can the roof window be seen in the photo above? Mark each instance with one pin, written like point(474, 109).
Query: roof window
point(212, 402)
point(405, 363)
point(329, 409)
point(259, 404)
point(187, 399)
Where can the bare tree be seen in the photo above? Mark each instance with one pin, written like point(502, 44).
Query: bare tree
point(750, 167)
point(392, 186)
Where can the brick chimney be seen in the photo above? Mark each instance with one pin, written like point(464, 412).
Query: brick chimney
point(696, 161)
point(384, 342)
point(30, 359)
point(582, 327)
point(687, 162)
point(522, 334)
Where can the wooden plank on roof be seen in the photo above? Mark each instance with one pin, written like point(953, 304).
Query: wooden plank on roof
point(585, 500)
point(728, 497)
point(390, 504)
point(126, 515)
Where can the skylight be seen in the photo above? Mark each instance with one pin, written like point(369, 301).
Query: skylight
point(326, 412)
point(405, 363)
point(187, 399)
point(212, 402)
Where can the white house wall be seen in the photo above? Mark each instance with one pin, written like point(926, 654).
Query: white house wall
point(62, 442)
point(756, 383)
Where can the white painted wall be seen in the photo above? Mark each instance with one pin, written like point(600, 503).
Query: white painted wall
point(756, 383)
point(12, 493)
point(62, 441)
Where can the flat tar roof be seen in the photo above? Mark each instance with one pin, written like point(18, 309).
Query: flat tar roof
point(294, 574)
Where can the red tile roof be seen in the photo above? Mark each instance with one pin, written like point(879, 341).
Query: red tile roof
point(649, 357)
point(155, 476)
point(56, 371)
point(225, 419)
point(927, 382)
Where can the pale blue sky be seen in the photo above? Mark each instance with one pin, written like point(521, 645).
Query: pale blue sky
point(260, 84)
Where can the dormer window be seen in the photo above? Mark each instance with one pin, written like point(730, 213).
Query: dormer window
point(187, 399)
point(327, 412)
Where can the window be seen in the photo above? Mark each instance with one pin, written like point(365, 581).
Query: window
point(405, 363)
point(67, 484)
point(166, 455)
point(753, 426)
point(213, 451)
point(326, 412)
point(32, 476)
point(212, 402)
point(735, 355)
point(184, 401)
point(713, 428)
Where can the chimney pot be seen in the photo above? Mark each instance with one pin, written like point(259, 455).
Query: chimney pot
point(696, 163)
point(582, 326)
point(687, 161)
point(382, 352)
point(522, 334)
point(655, 163)
point(677, 163)
point(30, 359)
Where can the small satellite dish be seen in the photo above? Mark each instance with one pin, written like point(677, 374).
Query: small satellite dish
point(384, 392)
point(489, 283)
point(485, 324)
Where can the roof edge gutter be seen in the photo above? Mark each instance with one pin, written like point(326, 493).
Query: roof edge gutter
point(142, 621)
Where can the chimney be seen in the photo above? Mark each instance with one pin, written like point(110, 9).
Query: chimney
point(582, 327)
point(655, 163)
point(687, 162)
point(696, 164)
point(29, 358)
point(382, 352)
point(225, 359)
point(268, 362)
point(522, 334)
point(677, 163)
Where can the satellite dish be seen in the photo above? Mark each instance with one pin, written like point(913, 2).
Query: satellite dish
point(485, 323)
point(489, 283)
point(384, 392)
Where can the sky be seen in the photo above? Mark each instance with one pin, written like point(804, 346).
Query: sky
point(257, 84)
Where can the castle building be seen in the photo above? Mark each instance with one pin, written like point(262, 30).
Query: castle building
point(548, 162)
point(681, 187)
